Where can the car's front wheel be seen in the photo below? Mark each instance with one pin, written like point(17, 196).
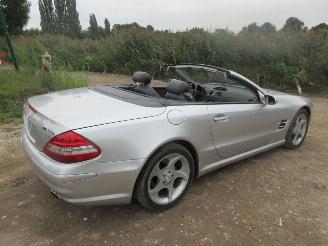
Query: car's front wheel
point(298, 130)
point(165, 178)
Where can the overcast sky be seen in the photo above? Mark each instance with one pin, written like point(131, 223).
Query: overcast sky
point(182, 14)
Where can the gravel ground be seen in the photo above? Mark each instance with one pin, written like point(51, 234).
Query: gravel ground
point(276, 198)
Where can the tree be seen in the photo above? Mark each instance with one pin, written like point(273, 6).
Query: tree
point(60, 10)
point(253, 27)
point(132, 26)
point(293, 24)
point(221, 31)
point(93, 28)
point(320, 27)
point(48, 18)
point(107, 27)
point(60, 16)
point(72, 20)
point(267, 27)
point(150, 28)
point(16, 14)
point(197, 30)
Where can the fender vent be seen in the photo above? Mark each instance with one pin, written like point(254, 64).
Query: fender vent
point(282, 124)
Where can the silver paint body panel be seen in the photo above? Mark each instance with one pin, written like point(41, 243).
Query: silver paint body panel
point(128, 135)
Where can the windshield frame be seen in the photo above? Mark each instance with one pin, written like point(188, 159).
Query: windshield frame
point(229, 73)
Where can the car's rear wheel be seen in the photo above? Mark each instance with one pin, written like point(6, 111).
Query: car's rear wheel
point(297, 130)
point(165, 178)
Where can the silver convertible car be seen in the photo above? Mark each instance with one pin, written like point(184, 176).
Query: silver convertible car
point(114, 144)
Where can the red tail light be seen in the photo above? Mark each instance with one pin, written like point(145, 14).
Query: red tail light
point(32, 109)
point(70, 147)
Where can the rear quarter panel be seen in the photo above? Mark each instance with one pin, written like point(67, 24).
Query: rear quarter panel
point(139, 139)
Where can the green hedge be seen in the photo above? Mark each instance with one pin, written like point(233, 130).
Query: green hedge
point(278, 56)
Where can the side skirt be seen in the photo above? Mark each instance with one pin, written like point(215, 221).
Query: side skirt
point(222, 163)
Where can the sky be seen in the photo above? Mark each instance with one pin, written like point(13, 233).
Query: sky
point(210, 14)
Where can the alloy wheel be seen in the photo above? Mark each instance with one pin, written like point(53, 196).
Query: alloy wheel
point(299, 130)
point(168, 179)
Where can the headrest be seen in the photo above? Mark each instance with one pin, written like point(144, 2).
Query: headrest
point(177, 87)
point(141, 77)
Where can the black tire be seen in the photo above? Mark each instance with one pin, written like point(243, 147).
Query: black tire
point(141, 190)
point(289, 137)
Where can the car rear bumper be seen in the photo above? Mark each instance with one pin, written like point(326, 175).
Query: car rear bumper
point(89, 183)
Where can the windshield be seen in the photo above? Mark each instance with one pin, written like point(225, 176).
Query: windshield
point(202, 75)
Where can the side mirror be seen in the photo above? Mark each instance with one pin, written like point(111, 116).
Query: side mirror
point(262, 97)
point(267, 99)
point(271, 100)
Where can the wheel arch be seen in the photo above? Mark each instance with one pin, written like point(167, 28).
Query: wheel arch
point(185, 143)
point(189, 146)
point(308, 109)
point(298, 109)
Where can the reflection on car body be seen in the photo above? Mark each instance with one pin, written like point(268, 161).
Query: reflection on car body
point(109, 144)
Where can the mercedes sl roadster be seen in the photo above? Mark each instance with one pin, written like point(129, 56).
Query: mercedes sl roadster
point(115, 144)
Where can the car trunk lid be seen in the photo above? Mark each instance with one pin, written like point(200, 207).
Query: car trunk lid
point(77, 108)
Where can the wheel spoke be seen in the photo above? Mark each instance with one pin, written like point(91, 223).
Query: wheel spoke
point(158, 188)
point(302, 122)
point(158, 171)
point(295, 138)
point(171, 190)
point(303, 130)
point(181, 174)
point(172, 161)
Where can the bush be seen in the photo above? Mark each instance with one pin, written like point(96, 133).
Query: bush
point(277, 56)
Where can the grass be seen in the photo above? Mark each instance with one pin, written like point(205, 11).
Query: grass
point(15, 88)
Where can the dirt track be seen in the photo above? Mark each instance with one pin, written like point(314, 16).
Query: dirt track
point(276, 198)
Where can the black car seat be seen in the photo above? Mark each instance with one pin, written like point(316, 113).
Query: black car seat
point(178, 90)
point(143, 81)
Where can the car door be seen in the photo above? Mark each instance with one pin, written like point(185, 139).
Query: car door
point(238, 128)
point(242, 122)
point(239, 121)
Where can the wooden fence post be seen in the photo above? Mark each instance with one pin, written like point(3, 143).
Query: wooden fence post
point(46, 62)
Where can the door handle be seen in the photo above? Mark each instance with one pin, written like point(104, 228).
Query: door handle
point(221, 118)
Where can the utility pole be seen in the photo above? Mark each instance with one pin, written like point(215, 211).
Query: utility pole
point(3, 27)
